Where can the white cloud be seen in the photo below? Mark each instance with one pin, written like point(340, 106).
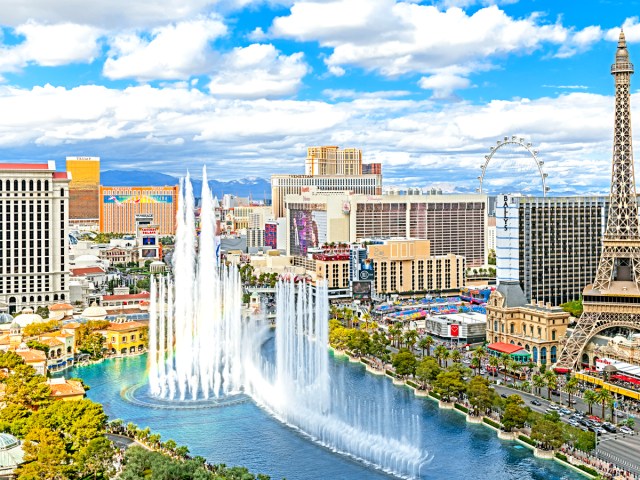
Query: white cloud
point(410, 37)
point(50, 46)
point(580, 41)
point(175, 51)
point(258, 71)
point(631, 28)
point(443, 84)
point(177, 126)
point(470, 3)
point(102, 13)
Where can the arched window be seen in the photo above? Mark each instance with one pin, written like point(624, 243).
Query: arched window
point(62, 192)
point(24, 185)
point(535, 354)
point(39, 185)
point(62, 297)
point(512, 342)
point(55, 297)
point(46, 185)
point(543, 355)
point(24, 299)
point(8, 185)
point(39, 298)
point(32, 298)
point(527, 347)
point(553, 354)
point(31, 185)
point(46, 298)
point(15, 185)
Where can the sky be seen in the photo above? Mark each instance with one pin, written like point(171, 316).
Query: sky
point(244, 86)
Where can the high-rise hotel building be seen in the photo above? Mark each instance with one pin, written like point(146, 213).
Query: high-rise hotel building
point(327, 168)
point(550, 245)
point(84, 189)
point(121, 208)
point(34, 228)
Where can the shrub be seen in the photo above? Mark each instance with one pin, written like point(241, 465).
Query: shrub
point(561, 456)
point(462, 408)
point(589, 470)
point(527, 440)
point(412, 384)
point(434, 395)
point(390, 373)
point(491, 422)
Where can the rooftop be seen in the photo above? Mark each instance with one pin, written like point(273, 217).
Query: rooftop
point(80, 272)
point(504, 347)
point(65, 388)
point(122, 327)
point(31, 356)
point(132, 296)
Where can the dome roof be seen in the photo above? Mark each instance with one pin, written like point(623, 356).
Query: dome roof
point(8, 441)
point(6, 318)
point(94, 311)
point(86, 259)
point(27, 317)
point(60, 306)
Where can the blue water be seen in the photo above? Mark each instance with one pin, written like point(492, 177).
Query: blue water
point(243, 434)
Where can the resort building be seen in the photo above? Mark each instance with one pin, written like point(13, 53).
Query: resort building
point(549, 245)
point(454, 224)
point(124, 209)
point(515, 352)
point(464, 328)
point(34, 358)
point(536, 327)
point(84, 190)
point(401, 266)
point(126, 338)
point(34, 235)
point(65, 390)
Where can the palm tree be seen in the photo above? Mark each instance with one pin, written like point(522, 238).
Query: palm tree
point(480, 353)
point(551, 379)
point(396, 332)
point(494, 362)
point(441, 353)
point(571, 387)
point(538, 382)
point(426, 342)
point(410, 339)
point(455, 356)
point(504, 360)
point(590, 397)
point(604, 397)
point(475, 363)
point(515, 368)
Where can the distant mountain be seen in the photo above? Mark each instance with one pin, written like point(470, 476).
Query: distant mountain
point(255, 187)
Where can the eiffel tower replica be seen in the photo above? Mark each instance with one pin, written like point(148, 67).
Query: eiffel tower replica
point(614, 298)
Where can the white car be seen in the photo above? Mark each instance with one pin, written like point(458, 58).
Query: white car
point(626, 430)
point(554, 407)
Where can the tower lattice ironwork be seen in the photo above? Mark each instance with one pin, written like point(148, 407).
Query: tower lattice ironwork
point(614, 298)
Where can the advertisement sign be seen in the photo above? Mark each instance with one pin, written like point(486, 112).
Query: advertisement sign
point(308, 230)
point(602, 362)
point(361, 289)
point(134, 199)
point(149, 231)
point(454, 330)
point(366, 270)
point(149, 253)
point(148, 240)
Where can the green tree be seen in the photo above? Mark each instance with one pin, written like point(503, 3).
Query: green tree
point(538, 382)
point(37, 345)
point(456, 356)
point(476, 364)
point(25, 388)
point(45, 457)
point(574, 307)
point(504, 361)
point(549, 434)
point(96, 458)
point(359, 342)
point(480, 396)
point(449, 384)
point(427, 371)
point(410, 339)
point(404, 362)
point(93, 345)
point(551, 381)
point(515, 414)
point(43, 312)
point(10, 360)
point(35, 329)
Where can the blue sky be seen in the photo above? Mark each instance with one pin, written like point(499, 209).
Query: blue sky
point(244, 86)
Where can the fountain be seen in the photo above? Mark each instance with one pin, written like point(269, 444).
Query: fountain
point(201, 348)
point(195, 343)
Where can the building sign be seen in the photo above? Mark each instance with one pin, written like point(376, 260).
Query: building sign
point(454, 330)
point(505, 208)
point(508, 238)
point(366, 272)
point(148, 231)
point(143, 216)
point(361, 289)
point(149, 253)
point(148, 240)
point(136, 199)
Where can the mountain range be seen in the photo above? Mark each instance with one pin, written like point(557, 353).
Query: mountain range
point(257, 188)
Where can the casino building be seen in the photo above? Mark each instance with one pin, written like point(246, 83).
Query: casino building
point(120, 206)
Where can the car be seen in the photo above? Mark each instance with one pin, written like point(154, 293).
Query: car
point(549, 410)
point(595, 430)
point(594, 417)
point(483, 372)
point(573, 401)
point(626, 430)
point(554, 407)
point(609, 427)
point(535, 402)
point(565, 411)
point(583, 428)
point(555, 392)
point(504, 395)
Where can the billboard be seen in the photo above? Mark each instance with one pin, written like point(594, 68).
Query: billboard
point(148, 240)
point(149, 253)
point(308, 230)
point(130, 198)
point(366, 272)
point(361, 289)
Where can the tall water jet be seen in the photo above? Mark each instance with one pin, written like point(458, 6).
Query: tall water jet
point(298, 390)
point(195, 345)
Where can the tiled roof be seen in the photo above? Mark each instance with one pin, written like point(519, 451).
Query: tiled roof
point(60, 306)
point(79, 272)
point(121, 327)
point(134, 296)
point(504, 347)
point(67, 389)
point(60, 174)
point(24, 166)
point(31, 356)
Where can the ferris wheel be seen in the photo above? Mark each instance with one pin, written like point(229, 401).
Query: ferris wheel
point(519, 158)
